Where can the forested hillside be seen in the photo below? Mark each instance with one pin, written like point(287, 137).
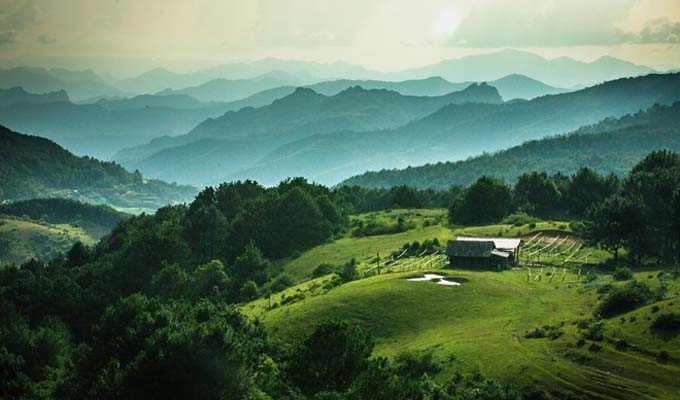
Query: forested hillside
point(613, 145)
point(456, 132)
point(219, 147)
point(33, 167)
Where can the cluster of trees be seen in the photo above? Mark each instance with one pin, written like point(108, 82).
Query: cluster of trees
point(643, 216)
point(639, 213)
point(360, 199)
point(490, 199)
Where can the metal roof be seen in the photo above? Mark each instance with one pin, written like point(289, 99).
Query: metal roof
point(499, 243)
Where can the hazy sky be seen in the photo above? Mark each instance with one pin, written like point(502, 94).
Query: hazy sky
point(127, 36)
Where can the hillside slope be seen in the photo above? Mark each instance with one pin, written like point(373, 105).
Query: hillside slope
point(610, 146)
point(456, 132)
point(219, 147)
point(44, 228)
point(33, 167)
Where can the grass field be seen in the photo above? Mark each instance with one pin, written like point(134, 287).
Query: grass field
point(428, 224)
point(22, 239)
point(482, 323)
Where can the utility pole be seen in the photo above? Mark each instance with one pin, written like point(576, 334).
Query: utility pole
point(377, 259)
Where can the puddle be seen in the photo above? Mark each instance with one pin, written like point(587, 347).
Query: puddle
point(434, 277)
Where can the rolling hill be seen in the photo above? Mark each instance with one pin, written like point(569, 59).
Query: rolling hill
point(483, 323)
point(34, 167)
point(226, 90)
point(509, 87)
point(456, 132)
point(562, 72)
point(610, 146)
point(219, 147)
point(44, 228)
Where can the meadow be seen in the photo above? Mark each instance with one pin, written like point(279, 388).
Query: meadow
point(22, 239)
point(485, 323)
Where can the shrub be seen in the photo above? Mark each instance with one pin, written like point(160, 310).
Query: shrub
point(594, 347)
point(625, 298)
point(249, 291)
point(281, 282)
point(655, 309)
point(349, 271)
point(606, 288)
point(663, 356)
point(667, 322)
point(594, 331)
point(415, 364)
point(623, 274)
point(621, 344)
point(550, 331)
point(323, 269)
point(519, 218)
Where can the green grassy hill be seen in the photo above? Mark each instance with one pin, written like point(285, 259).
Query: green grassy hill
point(482, 324)
point(22, 239)
point(44, 228)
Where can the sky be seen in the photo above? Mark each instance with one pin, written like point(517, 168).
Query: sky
point(126, 37)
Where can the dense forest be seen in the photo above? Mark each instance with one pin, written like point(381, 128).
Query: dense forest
point(613, 145)
point(35, 167)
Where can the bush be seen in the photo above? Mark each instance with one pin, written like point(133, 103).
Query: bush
point(625, 298)
point(249, 291)
point(549, 331)
point(621, 344)
point(323, 269)
point(623, 274)
point(415, 364)
point(349, 271)
point(281, 282)
point(663, 356)
point(519, 218)
point(594, 331)
point(667, 322)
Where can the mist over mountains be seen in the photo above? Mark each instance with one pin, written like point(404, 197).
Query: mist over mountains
point(271, 119)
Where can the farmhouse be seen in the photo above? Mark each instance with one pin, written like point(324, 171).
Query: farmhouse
point(496, 253)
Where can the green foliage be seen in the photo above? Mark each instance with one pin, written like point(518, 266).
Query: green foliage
point(63, 211)
point(537, 193)
point(625, 298)
point(622, 274)
point(349, 272)
point(331, 358)
point(520, 218)
point(323, 269)
point(35, 167)
point(487, 200)
point(668, 322)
